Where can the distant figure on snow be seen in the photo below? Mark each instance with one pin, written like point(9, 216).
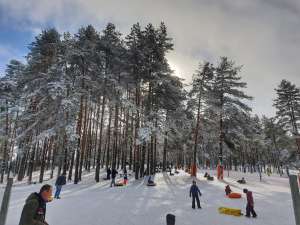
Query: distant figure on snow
point(250, 204)
point(34, 210)
point(125, 176)
point(194, 191)
point(269, 171)
point(206, 174)
point(227, 190)
point(242, 181)
point(108, 173)
point(150, 181)
point(114, 173)
point(60, 181)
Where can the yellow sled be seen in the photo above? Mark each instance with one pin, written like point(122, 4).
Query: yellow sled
point(230, 211)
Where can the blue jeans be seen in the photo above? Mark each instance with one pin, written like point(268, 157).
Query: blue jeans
point(113, 182)
point(58, 190)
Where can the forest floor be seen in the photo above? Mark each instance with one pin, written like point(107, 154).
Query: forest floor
point(90, 203)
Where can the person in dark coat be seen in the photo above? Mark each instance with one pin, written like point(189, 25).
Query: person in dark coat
point(194, 191)
point(34, 210)
point(60, 181)
point(108, 173)
point(114, 173)
point(250, 204)
point(125, 176)
point(242, 181)
point(227, 190)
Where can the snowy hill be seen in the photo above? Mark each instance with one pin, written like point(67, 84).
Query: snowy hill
point(89, 203)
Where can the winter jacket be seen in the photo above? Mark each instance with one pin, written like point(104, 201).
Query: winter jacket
point(194, 190)
point(34, 211)
point(227, 190)
point(250, 198)
point(61, 180)
point(114, 172)
point(125, 174)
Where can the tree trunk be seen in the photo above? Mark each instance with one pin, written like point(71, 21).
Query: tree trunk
point(97, 178)
point(77, 160)
point(43, 159)
point(5, 147)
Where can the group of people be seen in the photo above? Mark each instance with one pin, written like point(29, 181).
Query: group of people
point(34, 210)
point(195, 194)
point(250, 201)
point(113, 174)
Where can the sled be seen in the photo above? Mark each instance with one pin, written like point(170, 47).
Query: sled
point(210, 178)
point(151, 184)
point(230, 211)
point(234, 195)
point(119, 184)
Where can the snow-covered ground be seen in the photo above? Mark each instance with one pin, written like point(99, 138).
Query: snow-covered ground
point(90, 203)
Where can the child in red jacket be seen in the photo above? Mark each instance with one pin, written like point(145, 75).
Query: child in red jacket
point(250, 204)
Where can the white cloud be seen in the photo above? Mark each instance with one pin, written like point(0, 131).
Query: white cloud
point(262, 35)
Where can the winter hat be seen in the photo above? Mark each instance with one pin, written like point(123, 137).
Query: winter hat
point(245, 190)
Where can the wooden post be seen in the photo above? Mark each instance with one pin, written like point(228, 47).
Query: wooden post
point(5, 201)
point(170, 219)
point(295, 197)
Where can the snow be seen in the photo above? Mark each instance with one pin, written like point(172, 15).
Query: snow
point(1, 194)
point(90, 203)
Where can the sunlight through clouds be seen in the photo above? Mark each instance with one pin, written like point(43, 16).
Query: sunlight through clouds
point(262, 35)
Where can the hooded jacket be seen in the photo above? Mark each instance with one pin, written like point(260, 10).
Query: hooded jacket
point(34, 211)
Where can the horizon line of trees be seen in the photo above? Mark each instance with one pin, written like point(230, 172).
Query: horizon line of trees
point(100, 99)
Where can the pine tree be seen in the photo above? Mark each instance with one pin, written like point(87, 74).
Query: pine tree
point(287, 104)
point(227, 94)
point(136, 65)
point(200, 92)
point(276, 138)
point(9, 100)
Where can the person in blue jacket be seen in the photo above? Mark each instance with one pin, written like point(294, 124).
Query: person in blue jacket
point(60, 181)
point(195, 192)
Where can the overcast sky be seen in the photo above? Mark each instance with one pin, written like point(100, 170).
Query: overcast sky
point(261, 35)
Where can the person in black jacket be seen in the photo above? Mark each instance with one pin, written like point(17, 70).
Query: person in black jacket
point(114, 173)
point(194, 191)
point(125, 176)
point(60, 181)
point(227, 190)
point(108, 173)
